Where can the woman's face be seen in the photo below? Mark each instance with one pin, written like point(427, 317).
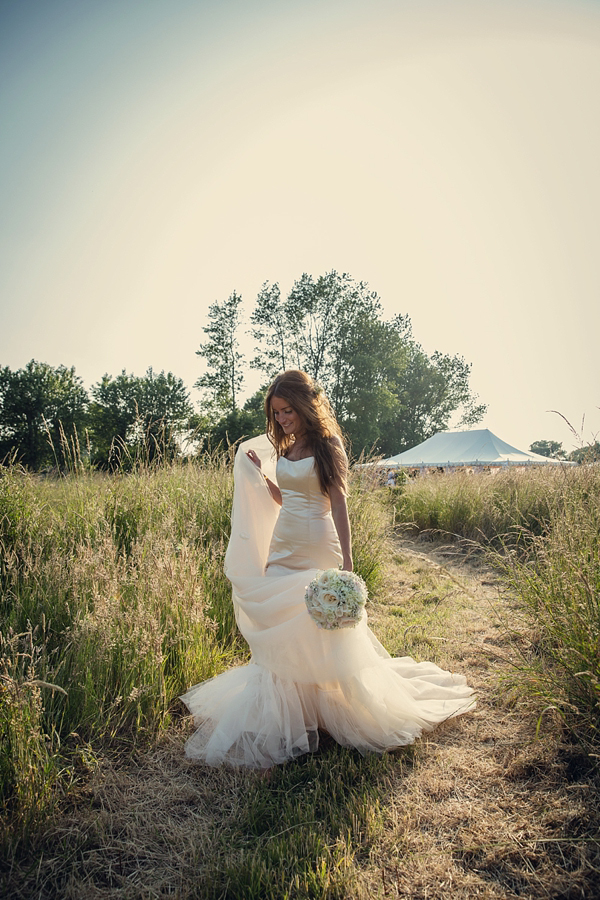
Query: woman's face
point(287, 417)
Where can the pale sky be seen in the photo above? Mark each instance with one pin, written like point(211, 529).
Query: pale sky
point(156, 155)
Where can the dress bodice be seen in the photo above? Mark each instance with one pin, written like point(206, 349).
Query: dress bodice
point(304, 535)
point(300, 489)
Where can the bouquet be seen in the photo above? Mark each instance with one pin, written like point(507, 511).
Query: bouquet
point(335, 598)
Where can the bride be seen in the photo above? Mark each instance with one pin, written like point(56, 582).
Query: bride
point(289, 520)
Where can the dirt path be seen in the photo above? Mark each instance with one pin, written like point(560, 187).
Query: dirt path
point(487, 810)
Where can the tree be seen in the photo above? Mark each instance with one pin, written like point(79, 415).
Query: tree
point(386, 392)
point(224, 380)
point(240, 424)
point(429, 393)
point(330, 327)
point(112, 413)
point(38, 405)
point(367, 372)
point(588, 454)
point(312, 328)
point(552, 449)
point(131, 413)
point(271, 329)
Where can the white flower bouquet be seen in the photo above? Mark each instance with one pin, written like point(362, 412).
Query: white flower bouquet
point(335, 598)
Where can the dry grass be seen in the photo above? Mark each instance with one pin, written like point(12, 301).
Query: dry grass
point(157, 825)
point(488, 809)
point(479, 808)
point(105, 619)
point(506, 508)
point(140, 826)
point(113, 602)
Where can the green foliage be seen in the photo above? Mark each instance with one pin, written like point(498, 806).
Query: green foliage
point(428, 392)
point(241, 423)
point(385, 391)
point(586, 454)
point(223, 382)
point(43, 410)
point(38, 405)
point(553, 449)
point(273, 322)
point(132, 417)
point(329, 327)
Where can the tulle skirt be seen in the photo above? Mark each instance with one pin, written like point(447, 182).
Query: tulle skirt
point(250, 716)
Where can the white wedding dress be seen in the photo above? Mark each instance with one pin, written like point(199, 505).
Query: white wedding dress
point(302, 678)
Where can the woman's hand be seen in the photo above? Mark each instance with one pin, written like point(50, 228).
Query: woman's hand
point(271, 486)
point(254, 459)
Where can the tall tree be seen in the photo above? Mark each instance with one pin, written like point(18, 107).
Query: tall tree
point(365, 394)
point(130, 412)
point(272, 331)
point(385, 390)
point(38, 404)
point(313, 328)
point(428, 394)
point(224, 379)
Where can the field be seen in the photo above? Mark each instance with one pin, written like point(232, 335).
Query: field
point(114, 601)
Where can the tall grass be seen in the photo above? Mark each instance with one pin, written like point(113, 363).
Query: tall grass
point(505, 508)
point(557, 584)
point(371, 517)
point(541, 529)
point(113, 602)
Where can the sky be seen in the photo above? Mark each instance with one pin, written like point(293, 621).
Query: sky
point(156, 155)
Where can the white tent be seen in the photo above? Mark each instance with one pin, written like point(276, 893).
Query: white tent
point(467, 448)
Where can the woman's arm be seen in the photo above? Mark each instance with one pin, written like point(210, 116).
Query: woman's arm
point(339, 506)
point(339, 511)
point(272, 487)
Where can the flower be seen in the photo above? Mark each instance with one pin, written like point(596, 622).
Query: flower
point(335, 599)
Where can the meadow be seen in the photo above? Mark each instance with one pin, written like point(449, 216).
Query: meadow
point(540, 529)
point(114, 601)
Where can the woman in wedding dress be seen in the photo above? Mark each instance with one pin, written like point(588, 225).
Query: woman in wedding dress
point(289, 520)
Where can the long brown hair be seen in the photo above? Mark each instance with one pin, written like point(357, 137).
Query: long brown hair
point(323, 434)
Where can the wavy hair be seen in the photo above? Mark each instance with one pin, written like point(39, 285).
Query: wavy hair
point(323, 434)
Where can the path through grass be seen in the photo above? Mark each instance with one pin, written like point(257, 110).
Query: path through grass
point(479, 808)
